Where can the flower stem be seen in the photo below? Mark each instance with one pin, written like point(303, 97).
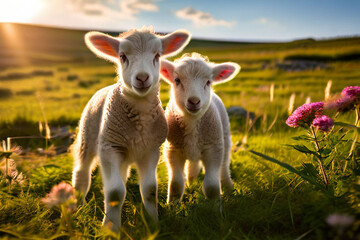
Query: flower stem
point(319, 158)
point(357, 111)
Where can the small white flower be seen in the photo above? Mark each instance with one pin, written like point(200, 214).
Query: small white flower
point(340, 221)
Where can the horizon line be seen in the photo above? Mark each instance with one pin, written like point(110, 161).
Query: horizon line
point(194, 37)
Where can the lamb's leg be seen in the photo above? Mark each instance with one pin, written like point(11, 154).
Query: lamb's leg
point(226, 182)
point(192, 169)
point(112, 163)
point(212, 163)
point(83, 161)
point(176, 162)
point(148, 182)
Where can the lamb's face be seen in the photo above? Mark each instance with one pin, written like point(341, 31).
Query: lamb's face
point(137, 54)
point(191, 79)
point(191, 88)
point(139, 61)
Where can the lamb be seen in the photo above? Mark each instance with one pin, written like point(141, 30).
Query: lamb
point(124, 124)
point(199, 129)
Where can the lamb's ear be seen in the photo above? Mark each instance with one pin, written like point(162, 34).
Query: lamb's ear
point(224, 72)
point(167, 71)
point(175, 42)
point(103, 45)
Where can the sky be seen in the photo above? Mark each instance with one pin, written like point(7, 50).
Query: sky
point(253, 20)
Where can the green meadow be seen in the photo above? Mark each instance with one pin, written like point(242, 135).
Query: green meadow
point(48, 75)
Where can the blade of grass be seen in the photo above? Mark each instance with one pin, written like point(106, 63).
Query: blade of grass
point(342, 124)
point(273, 122)
point(290, 210)
point(288, 167)
point(10, 233)
point(303, 235)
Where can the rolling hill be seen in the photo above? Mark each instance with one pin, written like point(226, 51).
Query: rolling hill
point(24, 45)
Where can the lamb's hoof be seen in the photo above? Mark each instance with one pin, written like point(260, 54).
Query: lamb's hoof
point(227, 188)
point(226, 191)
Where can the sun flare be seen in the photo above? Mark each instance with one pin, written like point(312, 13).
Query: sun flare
point(19, 10)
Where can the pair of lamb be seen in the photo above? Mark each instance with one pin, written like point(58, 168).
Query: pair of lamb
point(124, 124)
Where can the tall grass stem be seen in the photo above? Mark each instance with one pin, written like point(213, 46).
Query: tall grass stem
point(327, 89)
point(291, 103)
point(272, 86)
point(357, 112)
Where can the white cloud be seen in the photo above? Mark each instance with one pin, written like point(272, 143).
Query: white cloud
point(122, 9)
point(269, 23)
point(201, 19)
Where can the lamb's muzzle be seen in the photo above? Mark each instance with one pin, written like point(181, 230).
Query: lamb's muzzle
point(193, 104)
point(142, 83)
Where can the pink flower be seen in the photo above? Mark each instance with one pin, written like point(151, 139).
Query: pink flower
point(324, 123)
point(59, 194)
point(305, 114)
point(346, 103)
point(343, 104)
point(350, 96)
point(351, 91)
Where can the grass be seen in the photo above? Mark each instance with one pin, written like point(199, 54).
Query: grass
point(268, 201)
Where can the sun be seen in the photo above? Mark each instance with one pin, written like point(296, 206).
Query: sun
point(19, 10)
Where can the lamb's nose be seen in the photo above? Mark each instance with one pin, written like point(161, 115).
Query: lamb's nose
point(143, 77)
point(194, 101)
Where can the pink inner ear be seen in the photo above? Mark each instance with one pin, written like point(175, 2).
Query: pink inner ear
point(165, 73)
point(175, 44)
point(103, 46)
point(224, 74)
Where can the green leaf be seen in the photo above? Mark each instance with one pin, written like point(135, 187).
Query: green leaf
point(325, 151)
point(288, 167)
point(342, 124)
point(302, 137)
point(327, 161)
point(303, 149)
point(341, 188)
point(309, 170)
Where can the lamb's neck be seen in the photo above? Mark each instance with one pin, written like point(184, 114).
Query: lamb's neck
point(142, 103)
point(188, 122)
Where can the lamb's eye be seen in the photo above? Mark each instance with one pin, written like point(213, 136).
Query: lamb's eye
point(208, 83)
point(156, 58)
point(177, 81)
point(123, 58)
